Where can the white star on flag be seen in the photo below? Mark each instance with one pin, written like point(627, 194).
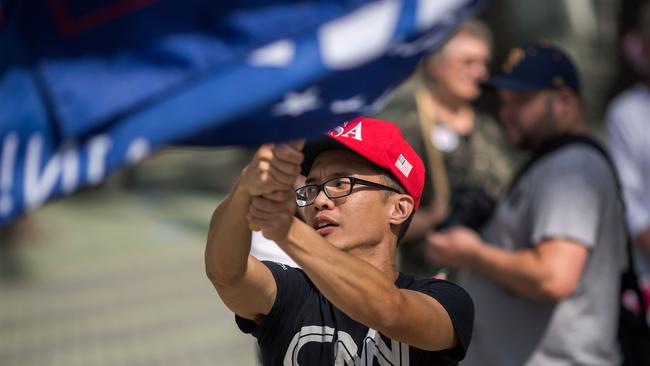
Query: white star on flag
point(296, 103)
point(347, 105)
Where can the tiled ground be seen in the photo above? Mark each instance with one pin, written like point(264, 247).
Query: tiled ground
point(116, 278)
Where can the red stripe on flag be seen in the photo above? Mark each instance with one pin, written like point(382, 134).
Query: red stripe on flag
point(70, 26)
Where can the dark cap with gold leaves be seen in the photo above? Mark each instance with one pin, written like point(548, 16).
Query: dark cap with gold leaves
point(536, 66)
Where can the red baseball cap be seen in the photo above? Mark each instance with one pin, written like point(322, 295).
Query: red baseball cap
point(380, 142)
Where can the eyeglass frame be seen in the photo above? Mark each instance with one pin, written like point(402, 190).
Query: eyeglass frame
point(353, 182)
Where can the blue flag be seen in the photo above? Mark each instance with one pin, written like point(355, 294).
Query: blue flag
point(89, 86)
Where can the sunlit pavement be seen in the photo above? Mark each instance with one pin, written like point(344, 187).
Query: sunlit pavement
point(113, 277)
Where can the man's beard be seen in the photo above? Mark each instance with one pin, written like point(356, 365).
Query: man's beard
point(539, 131)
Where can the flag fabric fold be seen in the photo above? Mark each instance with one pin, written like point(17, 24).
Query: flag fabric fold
point(88, 87)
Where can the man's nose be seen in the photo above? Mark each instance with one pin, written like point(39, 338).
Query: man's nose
point(322, 201)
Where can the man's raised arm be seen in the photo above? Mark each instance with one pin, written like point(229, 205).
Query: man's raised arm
point(236, 275)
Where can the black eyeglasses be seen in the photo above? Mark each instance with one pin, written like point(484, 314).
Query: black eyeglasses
point(334, 188)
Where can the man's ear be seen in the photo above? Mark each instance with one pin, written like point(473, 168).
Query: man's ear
point(401, 208)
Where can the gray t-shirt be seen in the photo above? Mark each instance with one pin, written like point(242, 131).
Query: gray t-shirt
point(570, 193)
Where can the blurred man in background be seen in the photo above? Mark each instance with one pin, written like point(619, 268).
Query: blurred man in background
point(628, 132)
point(462, 147)
point(545, 271)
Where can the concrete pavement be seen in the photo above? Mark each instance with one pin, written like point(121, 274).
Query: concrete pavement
point(113, 277)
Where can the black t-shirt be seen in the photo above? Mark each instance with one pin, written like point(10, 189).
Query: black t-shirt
point(304, 328)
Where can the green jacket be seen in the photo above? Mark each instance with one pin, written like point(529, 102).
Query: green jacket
point(481, 158)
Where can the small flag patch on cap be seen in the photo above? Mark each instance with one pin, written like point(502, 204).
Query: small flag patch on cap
point(403, 165)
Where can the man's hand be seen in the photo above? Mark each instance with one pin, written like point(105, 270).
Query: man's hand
point(274, 168)
point(270, 179)
point(273, 214)
point(454, 247)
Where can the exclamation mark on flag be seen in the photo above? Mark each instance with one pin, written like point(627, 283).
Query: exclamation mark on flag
point(9, 150)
